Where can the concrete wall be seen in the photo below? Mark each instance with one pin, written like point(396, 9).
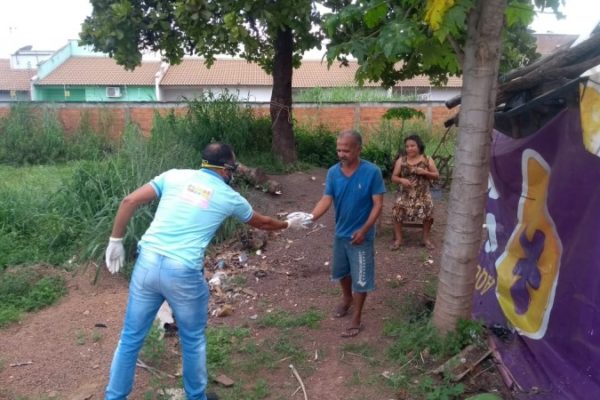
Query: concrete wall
point(363, 116)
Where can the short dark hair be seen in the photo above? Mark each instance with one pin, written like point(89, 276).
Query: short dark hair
point(218, 154)
point(352, 134)
point(417, 139)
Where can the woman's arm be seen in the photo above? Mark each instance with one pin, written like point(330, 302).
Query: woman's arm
point(431, 172)
point(397, 174)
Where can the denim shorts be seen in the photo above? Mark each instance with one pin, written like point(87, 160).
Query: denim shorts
point(356, 261)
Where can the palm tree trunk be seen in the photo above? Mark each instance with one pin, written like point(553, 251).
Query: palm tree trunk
point(462, 239)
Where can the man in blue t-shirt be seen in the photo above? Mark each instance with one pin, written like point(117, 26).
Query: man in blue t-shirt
point(355, 187)
point(169, 266)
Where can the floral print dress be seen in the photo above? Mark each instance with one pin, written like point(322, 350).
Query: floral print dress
point(413, 205)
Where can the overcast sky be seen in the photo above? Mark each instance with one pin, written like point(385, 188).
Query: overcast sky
point(48, 24)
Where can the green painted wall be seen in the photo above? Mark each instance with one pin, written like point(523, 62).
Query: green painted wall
point(60, 94)
point(94, 93)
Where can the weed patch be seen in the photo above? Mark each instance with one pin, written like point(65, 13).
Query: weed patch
point(27, 289)
point(282, 319)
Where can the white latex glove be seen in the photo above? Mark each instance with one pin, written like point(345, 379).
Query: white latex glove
point(115, 255)
point(299, 220)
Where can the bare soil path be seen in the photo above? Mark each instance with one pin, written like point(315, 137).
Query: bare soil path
point(70, 345)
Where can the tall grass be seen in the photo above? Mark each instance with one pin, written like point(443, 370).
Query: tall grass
point(33, 136)
point(64, 215)
point(349, 94)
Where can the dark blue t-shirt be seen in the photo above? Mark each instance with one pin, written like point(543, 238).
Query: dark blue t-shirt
point(352, 197)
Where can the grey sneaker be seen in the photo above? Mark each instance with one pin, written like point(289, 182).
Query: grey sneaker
point(211, 396)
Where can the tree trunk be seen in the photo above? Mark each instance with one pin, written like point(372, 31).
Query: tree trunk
point(283, 145)
point(469, 182)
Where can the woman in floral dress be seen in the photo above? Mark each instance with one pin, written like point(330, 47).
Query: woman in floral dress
point(413, 172)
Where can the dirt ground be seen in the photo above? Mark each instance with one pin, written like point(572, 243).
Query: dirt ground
point(66, 349)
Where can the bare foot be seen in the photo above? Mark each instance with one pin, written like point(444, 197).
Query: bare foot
point(396, 245)
point(428, 244)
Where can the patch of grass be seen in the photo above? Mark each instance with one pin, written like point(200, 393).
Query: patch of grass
point(80, 337)
point(272, 353)
point(428, 389)
point(221, 342)
point(154, 347)
point(97, 336)
point(414, 332)
point(349, 94)
point(31, 227)
point(283, 319)
point(27, 289)
point(258, 391)
point(355, 379)
point(361, 349)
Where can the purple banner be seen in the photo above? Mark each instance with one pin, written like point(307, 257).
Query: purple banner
point(538, 281)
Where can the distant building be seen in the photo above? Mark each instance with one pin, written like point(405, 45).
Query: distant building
point(76, 73)
point(548, 43)
point(17, 71)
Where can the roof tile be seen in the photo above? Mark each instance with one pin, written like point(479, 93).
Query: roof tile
point(79, 71)
point(232, 72)
point(14, 79)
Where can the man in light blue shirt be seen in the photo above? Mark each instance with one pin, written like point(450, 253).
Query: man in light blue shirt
point(193, 204)
point(355, 187)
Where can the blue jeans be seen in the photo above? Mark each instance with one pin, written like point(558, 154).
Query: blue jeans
point(157, 278)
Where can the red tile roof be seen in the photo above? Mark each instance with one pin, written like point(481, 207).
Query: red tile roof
point(232, 72)
point(14, 79)
point(80, 71)
point(548, 43)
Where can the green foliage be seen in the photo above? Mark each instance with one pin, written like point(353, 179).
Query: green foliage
point(32, 136)
point(394, 42)
point(27, 289)
point(221, 341)
point(387, 143)
point(268, 354)
point(349, 94)
point(154, 346)
point(259, 390)
point(31, 227)
point(430, 390)
point(414, 333)
point(223, 119)
point(64, 214)
point(248, 29)
point(403, 113)
point(284, 319)
point(316, 146)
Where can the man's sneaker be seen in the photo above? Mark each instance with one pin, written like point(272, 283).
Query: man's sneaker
point(211, 396)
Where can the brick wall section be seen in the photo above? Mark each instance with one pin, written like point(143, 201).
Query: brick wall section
point(112, 118)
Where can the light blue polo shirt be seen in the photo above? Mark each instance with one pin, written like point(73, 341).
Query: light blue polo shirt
point(353, 197)
point(193, 204)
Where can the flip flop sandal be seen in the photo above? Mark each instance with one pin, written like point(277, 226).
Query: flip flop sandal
point(352, 331)
point(341, 311)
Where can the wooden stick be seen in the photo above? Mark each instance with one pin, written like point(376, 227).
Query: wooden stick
point(152, 370)
point(19, 364)
point(299, 380)
point(296, 391)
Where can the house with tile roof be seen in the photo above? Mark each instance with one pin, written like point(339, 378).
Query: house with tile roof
point(14, 83)
point(248, 81)
point(76, 73)
point(16, 73)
